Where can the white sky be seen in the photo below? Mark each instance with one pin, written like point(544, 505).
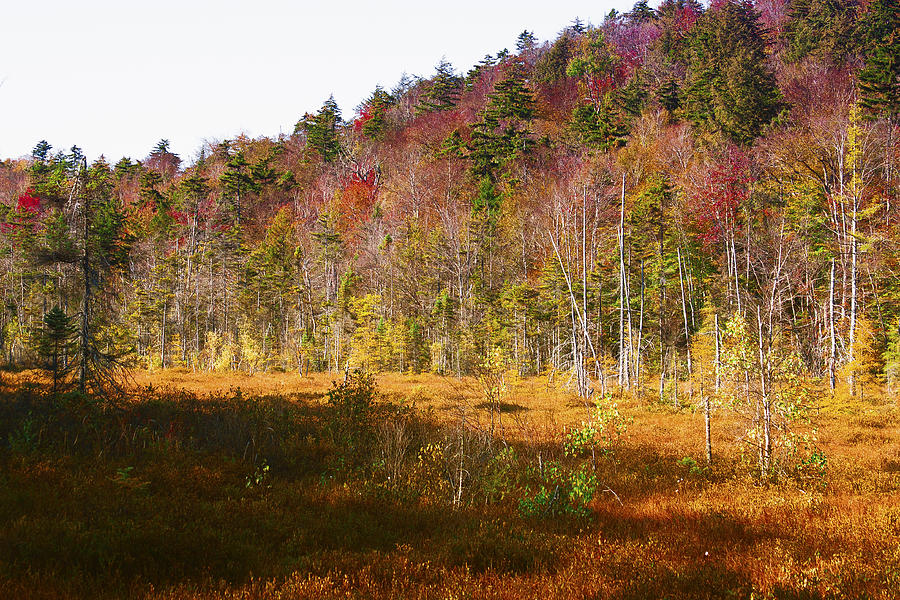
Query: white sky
point(116, 76)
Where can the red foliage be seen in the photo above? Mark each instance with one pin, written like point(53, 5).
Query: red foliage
point(723, 191)
point(685, 17)
point(364, 117)
point(28, 208)
point(29, 203)
point(360, 189)
point(178, 216)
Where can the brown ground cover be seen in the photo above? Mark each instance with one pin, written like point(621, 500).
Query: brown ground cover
point(226, 486)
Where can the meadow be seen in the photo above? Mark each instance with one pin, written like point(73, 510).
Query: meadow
point(280, 486)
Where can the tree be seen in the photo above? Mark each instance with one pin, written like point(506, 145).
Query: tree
point(443, 91)
point(824, 28)
point(502, 133)
point(551, 68)
point(599, 70)
point(104, 247)
point(879, 80)
point(525, 42)
point(373, 114)
point(730, 89)
point(321, 130)
point(236, 181)
point(641, 12)
point(56, 344)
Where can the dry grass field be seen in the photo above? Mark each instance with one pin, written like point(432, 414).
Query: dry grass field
point(220, 487)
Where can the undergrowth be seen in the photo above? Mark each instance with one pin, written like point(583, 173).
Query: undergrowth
point(352, 493)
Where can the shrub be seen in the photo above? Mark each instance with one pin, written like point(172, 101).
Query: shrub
point(350, 406)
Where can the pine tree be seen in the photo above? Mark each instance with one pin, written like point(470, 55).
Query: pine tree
point(641, 12)
point(236, 180)
point(730, 89)
point(551, 68)
point(525, 42)
point(321, 130)
point(502, 133)
point(372, 120)
point(56, 344)
point(444, 90)
point(879, 80)
point(822, 27)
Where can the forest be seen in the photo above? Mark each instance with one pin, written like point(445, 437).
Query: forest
point(681, 213)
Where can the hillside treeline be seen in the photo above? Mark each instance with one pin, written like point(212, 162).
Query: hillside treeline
point(675, 193)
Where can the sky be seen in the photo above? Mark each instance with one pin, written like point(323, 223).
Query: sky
point(116, 76)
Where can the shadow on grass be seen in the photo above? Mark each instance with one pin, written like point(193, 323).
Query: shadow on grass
point(505, 407)
point(174, 489)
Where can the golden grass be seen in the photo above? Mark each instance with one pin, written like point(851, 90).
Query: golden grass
point(183, 525)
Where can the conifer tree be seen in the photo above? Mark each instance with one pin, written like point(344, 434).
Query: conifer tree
point(502, 133)
point(879, 80)
point(525, 41)
point(373, 121)
point(641, 12)
point(730, 89)
point(596, 120)
point(821, 27)
point(321, 130)
point(551, 68)
point(236, 180)
point(444, 90)
point(56, 344)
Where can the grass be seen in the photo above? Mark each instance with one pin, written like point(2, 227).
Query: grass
point(197, 490)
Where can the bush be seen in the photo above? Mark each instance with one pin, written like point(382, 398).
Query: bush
point(564, 492)
point(349, 420)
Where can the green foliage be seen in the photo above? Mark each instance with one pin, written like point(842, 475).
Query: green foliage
point(350, 406)
point(443, 91)
point(599, 127)
point(502, 134)
point(564, 492)
point(825, 28)
point(376, 108)
point(730, 88)
point(500, 475)
point(879, 80)
point(24, 440)
point(56, 344)
point(601, 433)
point(692, 467)
point(891, 358)
point(641, 12)
point(551, 68)
point(321, 130)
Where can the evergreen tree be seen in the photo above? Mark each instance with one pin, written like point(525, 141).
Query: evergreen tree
point(879, 80)
point(641, 12)
point(597, 120)
point(373, 114)
point(321, 130)
point(676, 19)
point(525, 42)
point(668, 95)
point(444, 90)
point(483, 66)
point(730, 89)
point(502, 133)
point(551, 68)
point(56, 344)
point(600, 127)
point(237, 181)
point(821, 27)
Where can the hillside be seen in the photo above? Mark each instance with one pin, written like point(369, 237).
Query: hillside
point(597, 204)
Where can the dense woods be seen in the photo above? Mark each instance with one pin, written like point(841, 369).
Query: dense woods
point(602, 206)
